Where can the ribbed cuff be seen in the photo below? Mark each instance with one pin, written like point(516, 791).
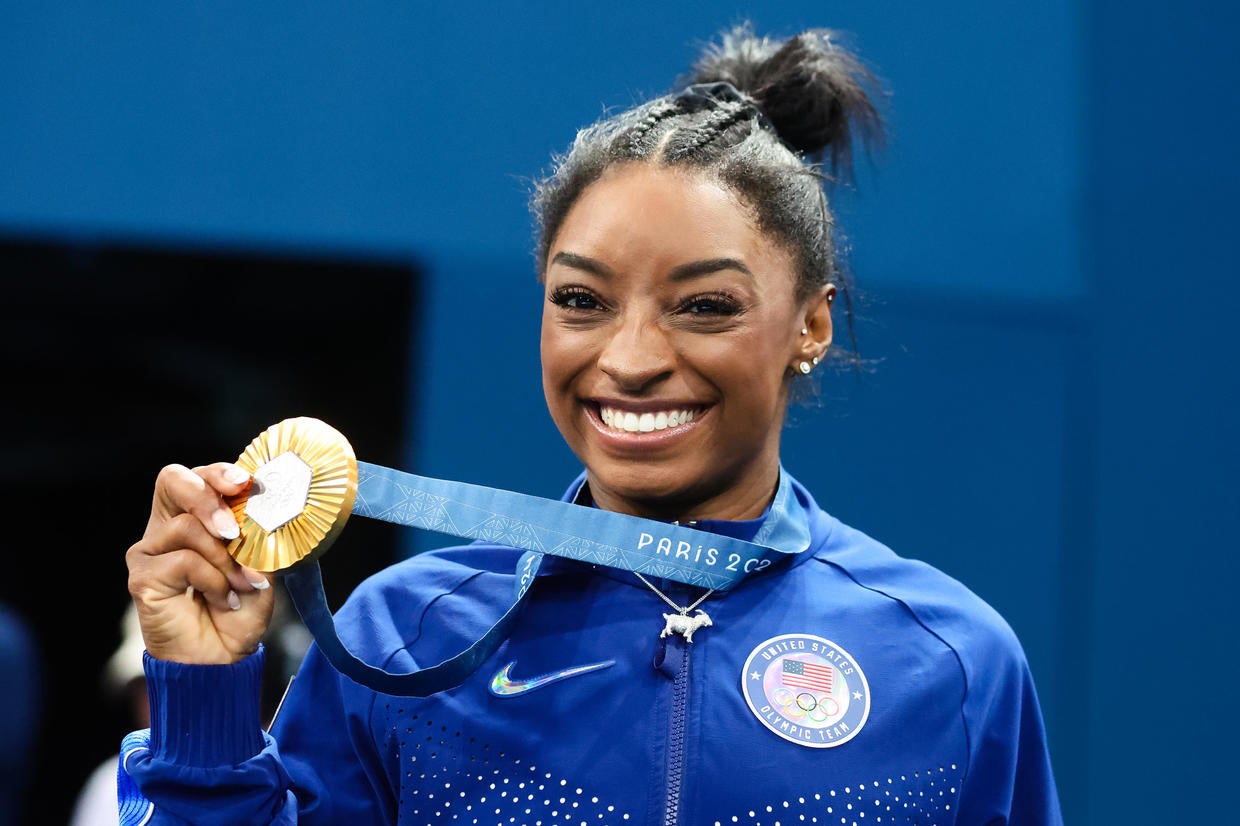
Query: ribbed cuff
point(205, 715)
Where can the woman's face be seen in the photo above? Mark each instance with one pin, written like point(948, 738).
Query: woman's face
point(668, 334)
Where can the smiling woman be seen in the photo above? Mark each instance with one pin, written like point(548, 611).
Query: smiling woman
point(689, 271)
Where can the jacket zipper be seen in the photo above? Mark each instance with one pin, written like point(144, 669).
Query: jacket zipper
point(676, 744)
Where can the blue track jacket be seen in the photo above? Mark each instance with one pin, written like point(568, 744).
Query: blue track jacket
point(844, 685)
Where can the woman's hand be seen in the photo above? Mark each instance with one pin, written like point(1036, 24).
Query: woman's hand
point(196, 604)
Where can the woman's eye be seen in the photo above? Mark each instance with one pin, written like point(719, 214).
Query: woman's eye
point(711, 305)
point(574, 299)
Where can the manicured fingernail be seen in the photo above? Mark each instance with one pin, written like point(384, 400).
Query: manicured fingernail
point(234, 601)
point(225, 524)
point(256, 580)
point(236, 476)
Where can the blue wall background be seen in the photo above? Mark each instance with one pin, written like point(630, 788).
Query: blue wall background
point(1050, 293)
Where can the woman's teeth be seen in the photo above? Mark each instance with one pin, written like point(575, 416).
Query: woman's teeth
point(643, 422)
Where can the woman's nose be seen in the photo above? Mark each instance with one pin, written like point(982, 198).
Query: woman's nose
point(637, 354)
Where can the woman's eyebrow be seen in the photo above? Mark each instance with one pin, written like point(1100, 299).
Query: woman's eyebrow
point(696, 269)
point(683, 272)
point(582, 262)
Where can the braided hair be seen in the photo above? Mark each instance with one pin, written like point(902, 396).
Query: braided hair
point(773, 120)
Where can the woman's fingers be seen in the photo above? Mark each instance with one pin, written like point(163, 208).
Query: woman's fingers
point(195, 601)
point(200, 491)
point(226, 477)
point(207, 621)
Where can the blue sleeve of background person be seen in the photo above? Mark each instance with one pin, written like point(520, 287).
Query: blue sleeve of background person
point(20, 686)
point(1009, 779)
point(205, 759)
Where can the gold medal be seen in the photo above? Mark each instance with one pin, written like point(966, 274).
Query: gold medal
point(304, 485)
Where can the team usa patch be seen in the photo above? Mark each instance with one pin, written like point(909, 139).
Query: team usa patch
point(807, 690)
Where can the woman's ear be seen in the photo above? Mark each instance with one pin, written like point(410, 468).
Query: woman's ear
point(817, 328)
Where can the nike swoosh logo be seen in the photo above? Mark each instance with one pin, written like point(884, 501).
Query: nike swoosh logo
point(502, 685)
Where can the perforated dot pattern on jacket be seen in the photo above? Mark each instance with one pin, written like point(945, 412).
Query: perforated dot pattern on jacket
point(453, 778)
point(918, 798)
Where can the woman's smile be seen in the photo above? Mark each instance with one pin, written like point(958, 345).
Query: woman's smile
point(647, 418)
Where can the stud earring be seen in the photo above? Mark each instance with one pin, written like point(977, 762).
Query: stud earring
point(804, 331)
point(804, 367)
point(815, 361)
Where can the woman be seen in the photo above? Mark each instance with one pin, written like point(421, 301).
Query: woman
point(689, 272)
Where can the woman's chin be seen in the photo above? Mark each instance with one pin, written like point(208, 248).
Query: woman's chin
point(657, 493)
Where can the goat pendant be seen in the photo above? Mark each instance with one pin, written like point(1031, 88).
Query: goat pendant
point(684, 624)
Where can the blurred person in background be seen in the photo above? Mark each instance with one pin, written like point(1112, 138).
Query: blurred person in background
point(123, 682)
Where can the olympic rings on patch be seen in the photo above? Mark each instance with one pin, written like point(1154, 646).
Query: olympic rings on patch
point(818, 708)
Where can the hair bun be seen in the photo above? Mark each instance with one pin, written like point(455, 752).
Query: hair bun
point(813, 91)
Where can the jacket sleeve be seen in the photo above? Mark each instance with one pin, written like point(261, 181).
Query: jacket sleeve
point(205, 760)
point(1009, 780)
point(209, 762)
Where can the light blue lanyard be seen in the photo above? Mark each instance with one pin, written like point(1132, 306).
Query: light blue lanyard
point(538, 526)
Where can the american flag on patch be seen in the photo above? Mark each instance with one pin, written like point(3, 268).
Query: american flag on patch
point(800, 674)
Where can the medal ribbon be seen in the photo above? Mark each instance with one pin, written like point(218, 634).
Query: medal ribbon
point(539, 526)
